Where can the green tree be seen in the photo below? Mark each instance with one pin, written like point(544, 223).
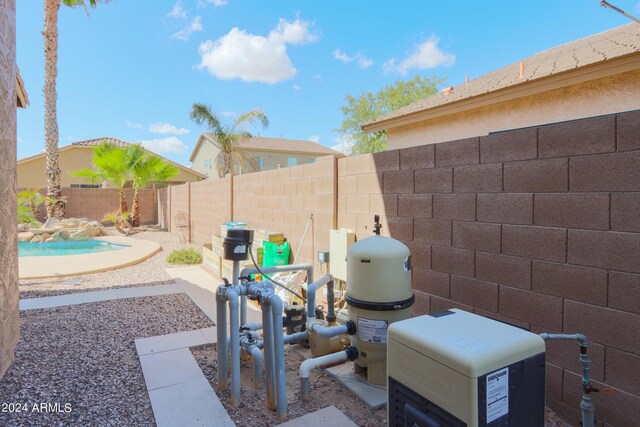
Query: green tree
point(54, 201)
point(229, 137)
point(32, 198)
point(110, 163)
point(369, 106)
point(146, 169)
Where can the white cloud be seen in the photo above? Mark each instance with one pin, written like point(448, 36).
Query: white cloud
point(165, 128)
point(254, 58)
point(362, 61)
point(216, 3)
point(314, 138)
point(186, 32)
point(426, 55)
point(170, 144)
point(297, 88)
point(177, 11)
point(134, 125)
point(344, 145)
point(229, 114)
point(317, 77)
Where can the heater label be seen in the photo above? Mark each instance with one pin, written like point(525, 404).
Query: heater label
point(497, 394)
point(370, 330)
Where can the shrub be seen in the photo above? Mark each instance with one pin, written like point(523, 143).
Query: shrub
point(184, 256)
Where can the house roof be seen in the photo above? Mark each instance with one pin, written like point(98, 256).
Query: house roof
point(261, 143)
point(89, 143)
point(21, 92)
point(619, 42)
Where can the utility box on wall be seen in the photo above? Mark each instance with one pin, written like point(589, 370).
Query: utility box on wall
point(456, 368)
point(339, 242)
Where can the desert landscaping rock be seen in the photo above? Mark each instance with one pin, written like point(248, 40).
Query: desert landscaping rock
point(84, 355)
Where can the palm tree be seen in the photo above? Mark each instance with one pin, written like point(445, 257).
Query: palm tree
point(146, 168)
point(32, 198)
point(229, 137)
point(110, 163)
point(55, 203)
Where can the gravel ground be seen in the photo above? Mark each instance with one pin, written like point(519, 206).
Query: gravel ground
point(325, 391)
point(85, 356)
point(149, 272)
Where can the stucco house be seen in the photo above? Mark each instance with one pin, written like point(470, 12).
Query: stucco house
point(79, 155)
point(268, 153)
point(589, 77)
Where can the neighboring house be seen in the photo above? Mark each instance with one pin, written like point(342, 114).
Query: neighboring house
point(593, 76)
point(77, 156)
point(268, 153)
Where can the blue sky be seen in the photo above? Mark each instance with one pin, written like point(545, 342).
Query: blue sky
point(132, 69)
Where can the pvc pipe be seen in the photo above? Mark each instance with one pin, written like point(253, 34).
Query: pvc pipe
point(269, 366)
point(316, 362)
point(234, 332)
point(311, 297)
point(223, 349)
point(254, 326)
point(329, 331)
point(586, 405)
point(243, 298)
point(296, 337)
point(258, 362)
point(281, 269)
point(278, 350)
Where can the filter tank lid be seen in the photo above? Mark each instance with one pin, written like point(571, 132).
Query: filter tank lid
point(378, 247)
point(467, 343)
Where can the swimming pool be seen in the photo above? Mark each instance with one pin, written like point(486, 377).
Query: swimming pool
point(66, 248)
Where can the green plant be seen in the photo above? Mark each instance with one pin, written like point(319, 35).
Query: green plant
point(184, 256)
point(145, 169)
point(32, 198)
point(110, 163)
point(369, 106)
point(25, 214)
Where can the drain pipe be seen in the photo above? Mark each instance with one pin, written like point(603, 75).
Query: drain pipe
point(350, 353)
point(586, 405)
point(223, 349)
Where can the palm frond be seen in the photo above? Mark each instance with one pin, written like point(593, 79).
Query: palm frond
point(202, 114)
point(252, 117)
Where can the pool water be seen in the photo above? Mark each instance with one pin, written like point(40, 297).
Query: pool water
point(66, 248)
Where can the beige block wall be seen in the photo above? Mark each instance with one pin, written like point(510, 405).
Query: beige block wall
point(31, 173)
point(210, 206)
point(282, 200)
point(9, 314)
point(597, 97)
point(95, 203)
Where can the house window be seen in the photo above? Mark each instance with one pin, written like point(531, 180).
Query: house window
point(292, 161)
point(312, 160)
point(260, 162)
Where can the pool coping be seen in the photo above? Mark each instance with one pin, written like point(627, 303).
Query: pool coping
point(46, 267)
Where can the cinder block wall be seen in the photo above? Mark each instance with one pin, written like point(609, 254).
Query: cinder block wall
point(95, 203)
point(538, 227)
point(282, 200)
point(9, 314)
point(210, 207)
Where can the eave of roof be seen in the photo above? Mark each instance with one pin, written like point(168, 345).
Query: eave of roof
point(573, 62)
point(21, 92)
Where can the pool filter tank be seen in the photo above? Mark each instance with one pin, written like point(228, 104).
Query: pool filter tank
point(455, 368)
point(378, 294)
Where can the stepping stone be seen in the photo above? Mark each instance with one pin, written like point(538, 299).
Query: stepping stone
point(329, 416)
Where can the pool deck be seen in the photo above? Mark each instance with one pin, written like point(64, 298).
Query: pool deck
point(42, 267)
